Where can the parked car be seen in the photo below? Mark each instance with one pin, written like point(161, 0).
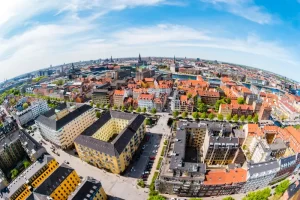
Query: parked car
point(152, 157)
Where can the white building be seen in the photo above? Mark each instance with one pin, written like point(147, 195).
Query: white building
point(259, 150)
point(260, 175)
point(146, 101)
point(33, 111)
point(62, 125)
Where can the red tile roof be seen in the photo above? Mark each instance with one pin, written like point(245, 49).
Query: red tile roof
point(221, 177)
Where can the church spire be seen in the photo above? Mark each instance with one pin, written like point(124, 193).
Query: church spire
point(111, 60)
point(140, 59)
point(174, 60)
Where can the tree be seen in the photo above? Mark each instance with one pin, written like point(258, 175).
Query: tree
point(228, 117)
point(255, 119)
point(102, 106)
point(141, 183)
point(220, 117)
point(260, 194)
point(98, 114)
point(108, 106)
point(189, 95)
point(138, 110)
point(243, 118)
point(25, 106)
point(195, 115)
point(175, 113)
point(249, 118)
point(282, 187)
point(184, 114)
point(211, 116)
point(26, 163)
point(98, 105)
point(92, 104)
point(195, 199)
point(202, 107)
point(156, 197)
point(203, 115)
point(153, 111)
point(123, 108)
point(218, 103)
point(14, 173)
point(144, 110)
point(241, 100)
point(130, 109)
point(115, 107)
point(228, 198)
point(235, 118)
point(148, 121)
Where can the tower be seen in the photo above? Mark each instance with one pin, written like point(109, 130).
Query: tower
point(140, 59)
point(174, 60)
point(111, 60)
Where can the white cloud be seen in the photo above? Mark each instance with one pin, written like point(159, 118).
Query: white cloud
point(157, 34)
point(243, 8)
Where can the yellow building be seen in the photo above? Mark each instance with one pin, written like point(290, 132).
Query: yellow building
point(111, 141)
point(58, 185)
point(32, 177)
point(61, 126)
point(89, 189)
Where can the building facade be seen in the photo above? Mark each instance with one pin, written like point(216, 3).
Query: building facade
point(111, 141)
point(61, 127)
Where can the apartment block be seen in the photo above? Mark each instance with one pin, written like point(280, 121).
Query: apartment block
point(58, 185)
point(111, 141)
point(146, 101)
point(15, 146)
point(32, 112)
point(89, 189)
point(102, 96)
point(260, 175)
point(209, 97)
point(32, 177)
point(62, 125)
point(223, 182)
point(219, 149)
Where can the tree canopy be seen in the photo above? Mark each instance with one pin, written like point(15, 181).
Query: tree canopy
point(259, 195)
point(220, 117)
point(195, 115)
point(25, 106)
point(282, 187)
point(175, 113)
point(235, 118)
point(211, 116)
point(228, 198)
point(138, 110)
point(153, 111)
point(241, 100)
point(184, 114)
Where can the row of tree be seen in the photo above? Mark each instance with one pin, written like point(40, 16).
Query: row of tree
point(204, 115)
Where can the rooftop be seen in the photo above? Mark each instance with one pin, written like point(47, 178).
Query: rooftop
point(86, 189)
point(54, 180)
point(58, 124)
point(119, 143)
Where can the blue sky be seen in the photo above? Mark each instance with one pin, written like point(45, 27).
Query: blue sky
point(258, 33)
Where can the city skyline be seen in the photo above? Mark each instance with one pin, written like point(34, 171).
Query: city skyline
point(252, 33)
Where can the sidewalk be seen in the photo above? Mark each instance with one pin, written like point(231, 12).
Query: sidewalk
point(153, 170)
